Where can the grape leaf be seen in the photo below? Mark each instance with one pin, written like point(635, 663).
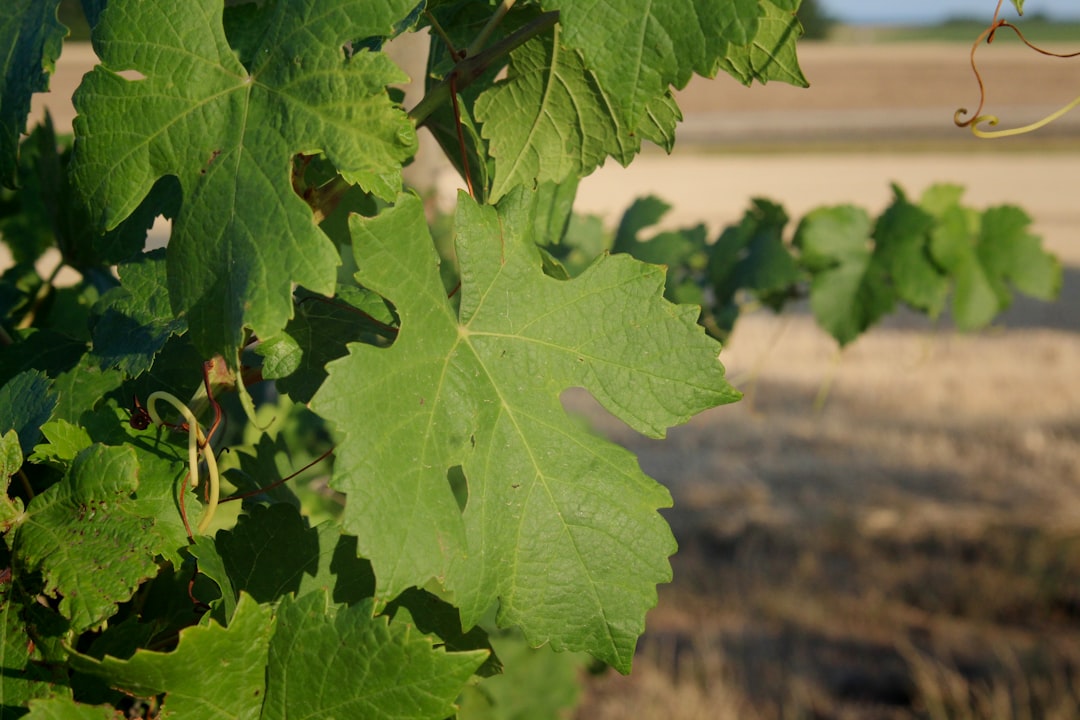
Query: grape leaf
point(272, 552)
point(63, 708)
point(63, 441)
point(215, 672)
point(850, 289)
point(902, 237)
point(135, 319)
point(322, 328)
point(20, 677)
point(771, 54)
point(983, 252)
point(1019, 5)
point(229, 133)
point(329, 659)
point(548, 120)
point(560, 527)
point(638, 48)
point(11, 459)
point(26, 402)
point(33, 38)
point(536, 684)
point(752, 255)
point(82, 535)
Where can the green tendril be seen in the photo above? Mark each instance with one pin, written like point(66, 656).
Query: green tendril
point(196, 442)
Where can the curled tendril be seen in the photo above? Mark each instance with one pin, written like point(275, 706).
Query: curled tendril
point(978, 118)
point(197, 442)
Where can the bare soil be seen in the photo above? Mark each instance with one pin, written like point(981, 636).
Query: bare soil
point(907, 542)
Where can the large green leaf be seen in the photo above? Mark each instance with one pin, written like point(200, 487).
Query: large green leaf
point(229, 133)
point(85, 538)
point(215, 672)
point(32, 38)
point(333, 661)
point(560, 527)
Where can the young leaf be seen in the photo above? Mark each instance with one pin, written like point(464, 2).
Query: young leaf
point(229, 133)
point(32, 38)
point(850, 290)
point(215, 672)
point(560, 527)
point(81, 534)
point(329, 659)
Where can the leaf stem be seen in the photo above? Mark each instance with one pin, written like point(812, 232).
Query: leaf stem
point(282, 481)
point(485, 34)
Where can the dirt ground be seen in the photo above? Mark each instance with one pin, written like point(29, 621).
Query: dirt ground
point(912, 543)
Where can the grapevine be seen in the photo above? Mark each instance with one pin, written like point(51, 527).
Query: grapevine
point(420, 358)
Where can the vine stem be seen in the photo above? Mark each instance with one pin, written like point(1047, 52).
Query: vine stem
point(282, 481)
point(472, 67)
point(465, 73)
point(39, 298)
point(496, 18)
point(978, 118)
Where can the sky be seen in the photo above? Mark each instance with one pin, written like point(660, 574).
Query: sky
point(929, 11)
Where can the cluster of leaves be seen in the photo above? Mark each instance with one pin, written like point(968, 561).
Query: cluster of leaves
point(930, 255)
point(459, 495)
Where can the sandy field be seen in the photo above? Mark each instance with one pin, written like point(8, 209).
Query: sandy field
point(862, 521)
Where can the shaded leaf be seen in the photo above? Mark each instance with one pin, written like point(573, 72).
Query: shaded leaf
point(272, 552)
point(26, 402)
point(215, 672)
point(21, 677)
point(330, 659)
point(537, 684)
point(32, 38)
point(135, 319)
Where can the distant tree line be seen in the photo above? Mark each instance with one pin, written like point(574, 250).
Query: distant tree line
point(815, 21)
